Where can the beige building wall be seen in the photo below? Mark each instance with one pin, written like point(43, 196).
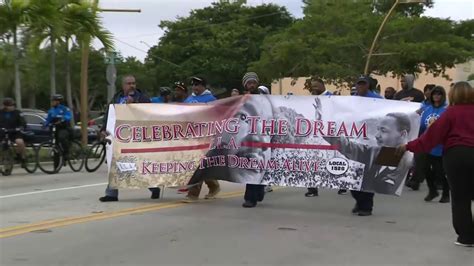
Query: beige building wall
point(458, 73)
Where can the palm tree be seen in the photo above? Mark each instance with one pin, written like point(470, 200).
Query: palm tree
point(81, 20)
point(49, 26)
point(13, 15)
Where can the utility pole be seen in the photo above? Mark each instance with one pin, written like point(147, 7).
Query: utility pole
point(84, 73)
point(111, 74)
point(392, 9)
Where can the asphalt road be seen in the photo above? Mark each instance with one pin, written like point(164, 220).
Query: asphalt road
point(58, 220)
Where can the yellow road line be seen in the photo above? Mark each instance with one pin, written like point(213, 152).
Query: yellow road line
point(22, 229)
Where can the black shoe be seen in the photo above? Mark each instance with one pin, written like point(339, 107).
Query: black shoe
point(249, 204)
point(108, 198)
point(444, 199)
point(355, 210)
point(415, 186)
point(364, 213)
point(431, 196)
point(155, 194)
point(312, 192)
point(342, 191)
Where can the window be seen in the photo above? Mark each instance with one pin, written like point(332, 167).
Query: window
point(33, 119)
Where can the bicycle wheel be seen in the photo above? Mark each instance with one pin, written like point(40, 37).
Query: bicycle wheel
point(76, 156)
point(50, 159)
point(31, 160)
point(95, 157)
point(7, 159)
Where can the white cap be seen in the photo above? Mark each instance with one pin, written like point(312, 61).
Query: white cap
point(263, 90)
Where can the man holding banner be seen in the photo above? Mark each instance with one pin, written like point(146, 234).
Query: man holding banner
point(253, 193)
point(364, 200)
point(129, 94)
point(201, 95)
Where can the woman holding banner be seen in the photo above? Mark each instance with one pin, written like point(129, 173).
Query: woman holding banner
point(454, 130)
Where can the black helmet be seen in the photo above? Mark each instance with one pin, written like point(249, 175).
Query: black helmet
point(57, 97)
point(165, 91)
point(8, 102)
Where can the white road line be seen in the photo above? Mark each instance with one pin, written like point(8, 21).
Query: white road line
point(51, 190)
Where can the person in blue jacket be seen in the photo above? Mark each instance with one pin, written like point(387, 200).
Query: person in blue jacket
point(200, 93)
point(60, 116)
point(317, 87)
point(435, 160)
point(165, 96)
point(364, 200)
point(128, 95)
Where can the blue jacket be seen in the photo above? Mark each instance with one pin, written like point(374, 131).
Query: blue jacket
point(431, 114)
point(204, 97)
point(59, 113)
point(158, 99)
point(121, 98)
point(371, 94)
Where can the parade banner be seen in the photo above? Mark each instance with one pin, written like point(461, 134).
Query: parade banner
point(299, 141)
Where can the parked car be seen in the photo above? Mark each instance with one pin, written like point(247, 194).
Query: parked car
point(35, 121)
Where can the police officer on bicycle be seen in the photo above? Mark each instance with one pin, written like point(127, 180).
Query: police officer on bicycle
point(12, 119)
point(60, 116)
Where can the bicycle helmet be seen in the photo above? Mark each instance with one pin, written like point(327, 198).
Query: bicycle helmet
point(8, 102)
point(57, 97)
point(165, 91)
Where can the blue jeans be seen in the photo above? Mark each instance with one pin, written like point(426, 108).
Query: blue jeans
point(113, 192)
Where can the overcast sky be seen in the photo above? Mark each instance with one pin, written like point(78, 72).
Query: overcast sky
point(135, 31)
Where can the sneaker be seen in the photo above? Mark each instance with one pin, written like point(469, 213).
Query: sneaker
point(313, 192)
point(459, 243)
point(431, 196)
point(355, 210)
point(268, 189)
point(189, 199)
point(212, 195)
point(415, 186)
point(364, 213)
point(444, 199)
point(342, 191)
point(155, 194)
point(108, 198)
point(249, 204)
point(183, 190)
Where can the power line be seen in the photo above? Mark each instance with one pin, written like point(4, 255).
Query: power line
point(146, 52)
point(208, 25)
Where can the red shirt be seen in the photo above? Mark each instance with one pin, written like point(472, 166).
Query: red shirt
point(455, 127)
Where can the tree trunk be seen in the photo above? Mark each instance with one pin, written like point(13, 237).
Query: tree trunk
point(52, 75)
point(32, 97)
point(17, 70)
point(68, 81)
point(84, 89)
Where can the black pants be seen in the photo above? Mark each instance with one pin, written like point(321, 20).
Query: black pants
point(459, 166)
point(254, 193)
point(312, 190)
point(364, 200)
point(436, 175)
point(64, 137)
point(422, 167)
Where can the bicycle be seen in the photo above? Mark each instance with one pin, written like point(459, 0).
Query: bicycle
point(8, 154)
point(95, 156)
point(51, 157)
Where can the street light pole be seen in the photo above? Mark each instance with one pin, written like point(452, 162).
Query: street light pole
point(372, 47)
